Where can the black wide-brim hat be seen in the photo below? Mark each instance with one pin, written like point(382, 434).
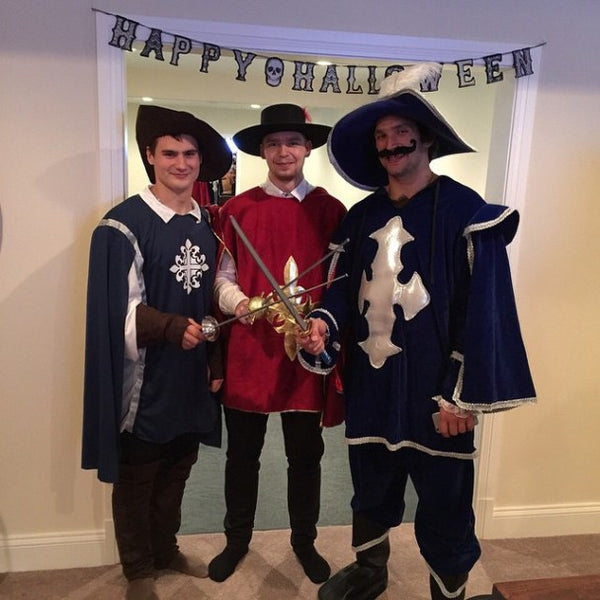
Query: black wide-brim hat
point(351, 144)
point(280, 117)
point(156, 121)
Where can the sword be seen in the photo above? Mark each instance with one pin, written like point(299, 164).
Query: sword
point(338, 248)
point(210, 325)
point(273, 283)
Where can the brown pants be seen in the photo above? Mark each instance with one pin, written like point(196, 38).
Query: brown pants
point(146, 503)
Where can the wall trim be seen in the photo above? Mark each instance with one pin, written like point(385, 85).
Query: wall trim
point(542, 520)
point(94, 548)
point(53, 551)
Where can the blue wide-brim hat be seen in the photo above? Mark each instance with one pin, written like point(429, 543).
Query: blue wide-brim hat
point(156, 121)
point(351, 144)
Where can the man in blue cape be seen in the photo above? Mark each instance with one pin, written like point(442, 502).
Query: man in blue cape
point(148, 400)
point(427, 327)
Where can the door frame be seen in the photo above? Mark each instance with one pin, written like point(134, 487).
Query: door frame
point(113, 151)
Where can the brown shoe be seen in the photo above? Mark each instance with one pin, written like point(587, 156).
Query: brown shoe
point(141, 589)
point(188, 566)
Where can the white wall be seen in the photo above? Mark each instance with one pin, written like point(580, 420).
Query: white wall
point(543, 479)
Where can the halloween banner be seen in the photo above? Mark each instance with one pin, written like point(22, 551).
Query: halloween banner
point(305, 76)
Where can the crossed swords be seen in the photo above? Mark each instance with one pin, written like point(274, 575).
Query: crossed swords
point(210, 325)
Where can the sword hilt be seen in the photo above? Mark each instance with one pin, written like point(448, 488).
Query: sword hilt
point(273, 282)
point(325, 358)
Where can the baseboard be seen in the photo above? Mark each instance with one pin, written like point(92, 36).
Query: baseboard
point(537, 520)
point(97, 547)
point(58, 550)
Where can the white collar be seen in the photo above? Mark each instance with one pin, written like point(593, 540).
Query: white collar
point(163, 211)
point(299, 192)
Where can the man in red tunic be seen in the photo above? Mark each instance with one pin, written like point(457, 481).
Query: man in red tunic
point(290, 223)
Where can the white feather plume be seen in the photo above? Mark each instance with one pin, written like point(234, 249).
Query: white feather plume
point(410, 78)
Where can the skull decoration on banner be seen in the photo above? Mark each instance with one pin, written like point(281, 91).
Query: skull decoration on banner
point(274, 71)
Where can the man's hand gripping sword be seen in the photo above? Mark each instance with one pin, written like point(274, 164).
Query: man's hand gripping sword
point(289, 305)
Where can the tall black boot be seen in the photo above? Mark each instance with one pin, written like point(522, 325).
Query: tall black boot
point(304, 502)
point(131, 501)
point(366, 578)
point(449, 587)
point(165, 517)
point(241, 497)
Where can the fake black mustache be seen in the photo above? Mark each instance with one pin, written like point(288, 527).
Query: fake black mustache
point(398, 150)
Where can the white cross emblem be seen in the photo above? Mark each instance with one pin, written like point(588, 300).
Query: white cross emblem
point(189, 266)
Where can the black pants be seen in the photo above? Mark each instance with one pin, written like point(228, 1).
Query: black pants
point(147, 500)
point(303, 448)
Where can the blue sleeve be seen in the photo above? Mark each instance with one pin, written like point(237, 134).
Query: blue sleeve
point(491, 370)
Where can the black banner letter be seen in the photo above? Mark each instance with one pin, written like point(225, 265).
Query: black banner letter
point(522, 62)
point(211, 52)
point(464, 74)
point(153, 44)
point(352, 87)
point(373, 89)
point(181, 45)
point(492, 68)
point(243, 63)
point(331, 79)
point(303, 76)
point(123, 33)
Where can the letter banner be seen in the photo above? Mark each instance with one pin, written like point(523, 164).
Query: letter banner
point(305, 76)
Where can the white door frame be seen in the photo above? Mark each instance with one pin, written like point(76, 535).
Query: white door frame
point(112, 111)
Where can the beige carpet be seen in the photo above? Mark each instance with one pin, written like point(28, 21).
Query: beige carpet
point(271, 572)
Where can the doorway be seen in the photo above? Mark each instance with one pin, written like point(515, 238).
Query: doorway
point(500, 132)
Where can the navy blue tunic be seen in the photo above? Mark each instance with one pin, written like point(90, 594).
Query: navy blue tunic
point(427, 312)
point(161, 391)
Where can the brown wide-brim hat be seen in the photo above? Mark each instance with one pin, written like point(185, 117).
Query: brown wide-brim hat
point(280, 117)
point(351, 144)
point(156, 121)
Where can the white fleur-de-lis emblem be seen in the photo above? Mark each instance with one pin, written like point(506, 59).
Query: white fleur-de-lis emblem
point(189, 266)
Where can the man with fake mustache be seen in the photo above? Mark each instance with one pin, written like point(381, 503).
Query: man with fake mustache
point(427, 323)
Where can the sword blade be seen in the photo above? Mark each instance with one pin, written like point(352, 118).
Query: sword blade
point(269, 304)
point(273, 283)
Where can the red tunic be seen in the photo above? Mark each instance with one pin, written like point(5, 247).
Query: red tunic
point(260, 377)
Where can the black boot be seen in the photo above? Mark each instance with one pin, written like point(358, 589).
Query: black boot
point(366, 578)
point(223, 565)
point(131, 501)
point(165, 517)
point(304, 501)
point(241, 496)
point(449, 588)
